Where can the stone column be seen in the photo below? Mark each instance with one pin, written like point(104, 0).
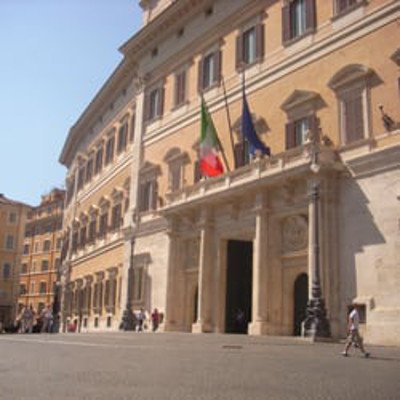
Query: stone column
point(258, 325)
point(171, 318)
point(204, 321)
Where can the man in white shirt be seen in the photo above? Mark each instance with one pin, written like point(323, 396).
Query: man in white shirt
point(354, 336)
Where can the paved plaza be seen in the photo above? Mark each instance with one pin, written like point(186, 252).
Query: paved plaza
point(169, 366)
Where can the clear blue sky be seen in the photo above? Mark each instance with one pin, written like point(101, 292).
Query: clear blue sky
point(55, 56)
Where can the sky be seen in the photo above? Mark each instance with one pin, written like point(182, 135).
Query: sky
point(54, 57)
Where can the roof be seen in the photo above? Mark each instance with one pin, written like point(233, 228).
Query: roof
point(6, 201)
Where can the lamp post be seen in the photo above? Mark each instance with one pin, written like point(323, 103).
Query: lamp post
point(316, 324)
point(128, 319)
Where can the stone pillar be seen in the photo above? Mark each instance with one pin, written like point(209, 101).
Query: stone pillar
point(204, 321)
point(171, 322)
point(258, 325)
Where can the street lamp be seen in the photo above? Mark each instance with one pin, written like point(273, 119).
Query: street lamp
point(128, 318)
point(316, 324)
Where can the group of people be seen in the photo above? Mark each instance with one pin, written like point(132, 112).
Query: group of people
point(29, 321)
point(141, 320)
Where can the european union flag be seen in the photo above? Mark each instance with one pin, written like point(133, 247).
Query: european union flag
point(249, 131)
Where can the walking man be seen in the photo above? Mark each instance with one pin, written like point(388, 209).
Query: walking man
point(354, 336)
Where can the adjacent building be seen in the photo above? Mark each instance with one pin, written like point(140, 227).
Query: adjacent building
point(318, 219)
point(13, 215)
point(40, 258)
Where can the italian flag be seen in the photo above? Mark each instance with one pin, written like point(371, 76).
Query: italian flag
point(210, 163)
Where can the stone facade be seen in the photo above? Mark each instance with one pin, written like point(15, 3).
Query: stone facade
point(13, 215)
point(321, 80)
point(39, 274)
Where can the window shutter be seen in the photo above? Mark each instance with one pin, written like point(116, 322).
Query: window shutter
point(183, 87)
point(200, 76)
point(161, 100)
point(312, 124)
point(147, 106)
point(132, 129)
point(218, 66)
point(260, 41)
point(239, 52)
point(286, 36)
point(310, 15)
point(290, 135)
point(154, 195)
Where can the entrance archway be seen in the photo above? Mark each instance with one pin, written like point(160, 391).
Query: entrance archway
point(238, 286)
point(300, 302)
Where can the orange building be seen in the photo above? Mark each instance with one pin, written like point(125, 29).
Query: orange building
point(12, 220)
point(40, 258)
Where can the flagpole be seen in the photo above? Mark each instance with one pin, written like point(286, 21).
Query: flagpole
point(228, 116)
point(243, 94)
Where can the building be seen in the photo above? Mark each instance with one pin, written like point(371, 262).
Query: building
point(272, 236)
point(12, 221)
point(41, 252)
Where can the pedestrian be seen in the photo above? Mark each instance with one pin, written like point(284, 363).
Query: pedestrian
point(141, 316)
point(155, 319)
point(353, 333)
point(30, 318)
point(47, 319)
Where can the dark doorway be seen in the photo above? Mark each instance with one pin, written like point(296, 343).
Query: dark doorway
point(300, 302)
point(195, 305)
point(238, 286)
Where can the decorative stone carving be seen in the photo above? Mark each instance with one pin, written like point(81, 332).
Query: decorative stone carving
point(294, 233)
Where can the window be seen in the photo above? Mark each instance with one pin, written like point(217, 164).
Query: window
point(57, 264)
point(103, 224)
point(180, 88)
point(132, 129)
point(45, 265)
point(122, 137)
point(296, 131)
point(9, 242)
point(75, 238)
point(241, 150)
point(109, 150)
point(92, 231)
point(46, 245)
point(342, 6)
point(22, 289)
point(24, 268)
point(59, 243)
point(298, 19)
point(209, 70)
point(43, 288)
point(155, 103)
point(116, 220)
point(70, 188)
point(250, 46)
point(37, 245)
point(12, 217)
point(89, 170)
point(148, 195)
point(176, 160)
point(138, 284)
point(350, 86)
point(351, 115)
point(99, 161)
point(32, 287)
point(6, 271)
point(82, 236)
point(81, 177)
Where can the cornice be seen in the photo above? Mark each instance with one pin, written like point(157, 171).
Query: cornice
point(121, 76)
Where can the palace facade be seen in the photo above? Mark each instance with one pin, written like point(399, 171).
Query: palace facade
point(318, 219)
point(39, 272)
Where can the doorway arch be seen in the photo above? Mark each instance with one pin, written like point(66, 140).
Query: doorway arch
point(300, 302)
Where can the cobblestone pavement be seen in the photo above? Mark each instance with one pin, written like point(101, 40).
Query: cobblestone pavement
point(170, 366)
